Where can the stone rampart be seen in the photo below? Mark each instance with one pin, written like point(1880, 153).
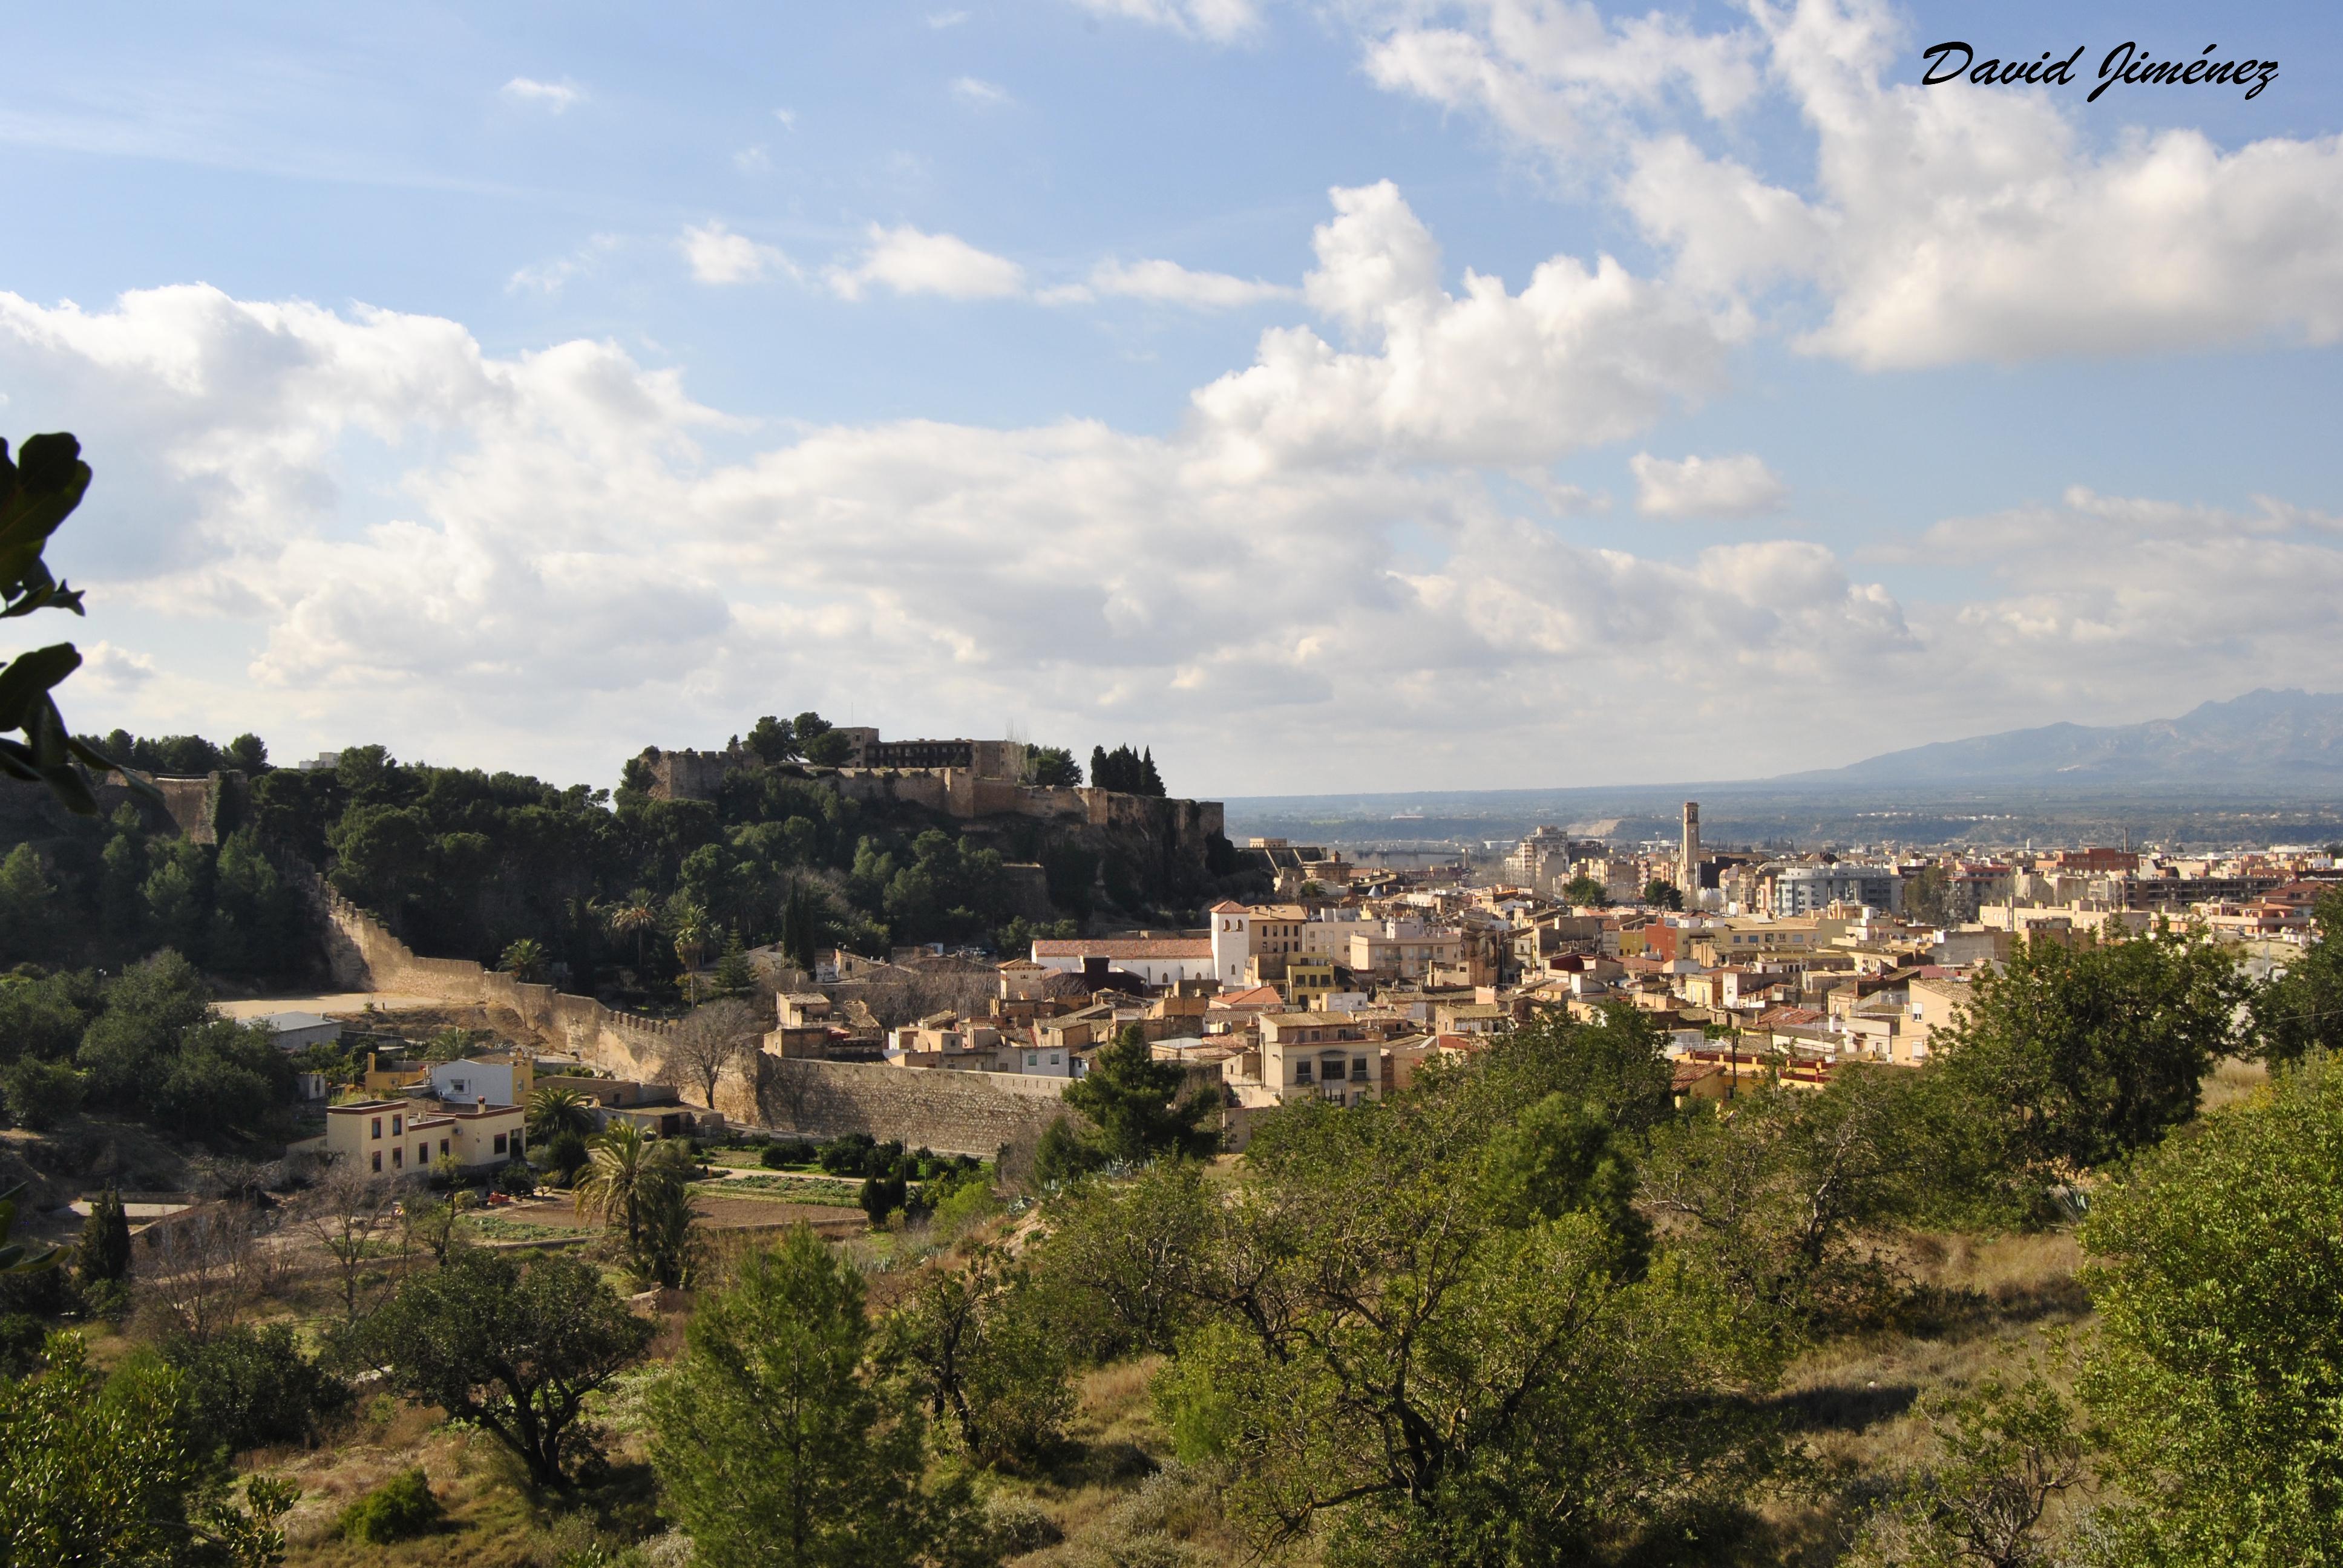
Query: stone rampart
point(364, 955)
point(952, 1112)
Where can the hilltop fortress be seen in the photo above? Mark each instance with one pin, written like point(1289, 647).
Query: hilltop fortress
point(980, 783)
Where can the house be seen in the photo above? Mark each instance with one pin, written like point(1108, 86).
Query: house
point(299, 1031)
point(1156, 959)
point(1307, 1056)
point(1253, 943)
point(503, 1079)
point(1309, 982)
point(408, 1137)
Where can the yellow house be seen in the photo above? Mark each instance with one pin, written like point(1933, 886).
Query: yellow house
point(408, 1137)
point(1309, 982)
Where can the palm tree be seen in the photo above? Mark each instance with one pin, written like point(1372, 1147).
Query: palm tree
point(618, 1184)
point(524, 958)
point(554, 1110)
point(688, 923)
point(635, 915)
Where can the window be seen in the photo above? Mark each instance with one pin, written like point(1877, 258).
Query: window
point(1358, 1070)
point(443, 1148)
point(422, 1155)
point(377, 1162)
point(1053, 1058)
point(500, 1146)
point(398, 1159)
point(397, 1124)
point(376, 1133)
point(1301, 1072)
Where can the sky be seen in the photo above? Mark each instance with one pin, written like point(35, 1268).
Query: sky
point(1329, 395)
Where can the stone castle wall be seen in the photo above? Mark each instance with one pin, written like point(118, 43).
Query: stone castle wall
point(363, 955)
point(952, 1112)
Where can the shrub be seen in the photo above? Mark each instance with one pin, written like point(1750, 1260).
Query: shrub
point(1018, 1525)
point(785, 1151)
point(848, 1156)
point(881, 1196)
point(516, 1177)
point(251, 1387)
point(40, 1094)
point(21, 1337)
point(398, 1510)
point(566, 1156)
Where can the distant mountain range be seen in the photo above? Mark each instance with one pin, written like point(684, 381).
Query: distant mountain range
point(2263, 740)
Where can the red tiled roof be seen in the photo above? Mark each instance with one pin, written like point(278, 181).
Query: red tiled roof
point(1123, 947)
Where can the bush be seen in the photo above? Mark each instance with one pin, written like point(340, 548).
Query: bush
point(848, 1156)
point(881, 1196)
point(40, 1094)
point(516, 1177)
point(1018, 1525)
point(566, 1156)
point(398, 1510)
point(786, 1151)
point(252, 1387)
point(21, 1338)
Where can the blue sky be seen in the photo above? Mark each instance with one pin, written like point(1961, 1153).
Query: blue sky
point(520, 385)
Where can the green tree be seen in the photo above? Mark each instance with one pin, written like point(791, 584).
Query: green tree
point(733, 976)
point(524, 960)
point(110, 1470)
point(1128, 1096)
point(1585, 892)
point(40, 1094)
point(2092, 1051)
point(250, 1387)
point(2301, 1011)
point(554, 1110)
point(2219, 1365)
point(27, 905)
point(516, 1347)
point(984, 1356)
point(103, 1254)
point(127, 1047)
point(773, 740)
point(777, 1446)
point(1398, 1365)
point(631, 1184)
point(1052, 768)
point(1662, 894)
point(247, 753)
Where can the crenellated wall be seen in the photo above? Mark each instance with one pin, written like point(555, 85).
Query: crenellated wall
point(365, 956)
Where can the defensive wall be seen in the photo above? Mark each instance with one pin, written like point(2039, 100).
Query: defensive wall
point(363, 955)
point(954, 1112)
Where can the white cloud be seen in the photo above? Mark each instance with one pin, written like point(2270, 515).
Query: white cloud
point(940, 20)
point(717, 254)
point(332, 526)
point(115, 668)
point(551, 277)
point(1168, 283)
point(753, 160)
point(1937, 225)
point(788, 118)
point(1218, 20)
point(909, 261)
point(980, 94)
point(1738, 487)
point(559, 97)
point(1580, 356)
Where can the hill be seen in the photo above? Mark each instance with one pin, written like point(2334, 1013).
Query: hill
point(2263, 741)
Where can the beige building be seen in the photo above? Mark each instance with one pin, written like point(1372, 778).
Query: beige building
point(1308, 1056)
point(408, 1137)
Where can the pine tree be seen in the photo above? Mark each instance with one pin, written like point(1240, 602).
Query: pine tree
point(733, 975)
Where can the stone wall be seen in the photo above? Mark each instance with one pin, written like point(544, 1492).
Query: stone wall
point(951, 1112)
point(201, 809)
point(364, 955)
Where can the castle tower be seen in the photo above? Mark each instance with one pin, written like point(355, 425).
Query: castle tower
point(1688, 856)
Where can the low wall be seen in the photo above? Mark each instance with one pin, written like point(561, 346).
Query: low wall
point(952, 1112)
point(364, 956)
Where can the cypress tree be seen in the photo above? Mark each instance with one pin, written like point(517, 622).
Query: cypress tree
point(103, 1252)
